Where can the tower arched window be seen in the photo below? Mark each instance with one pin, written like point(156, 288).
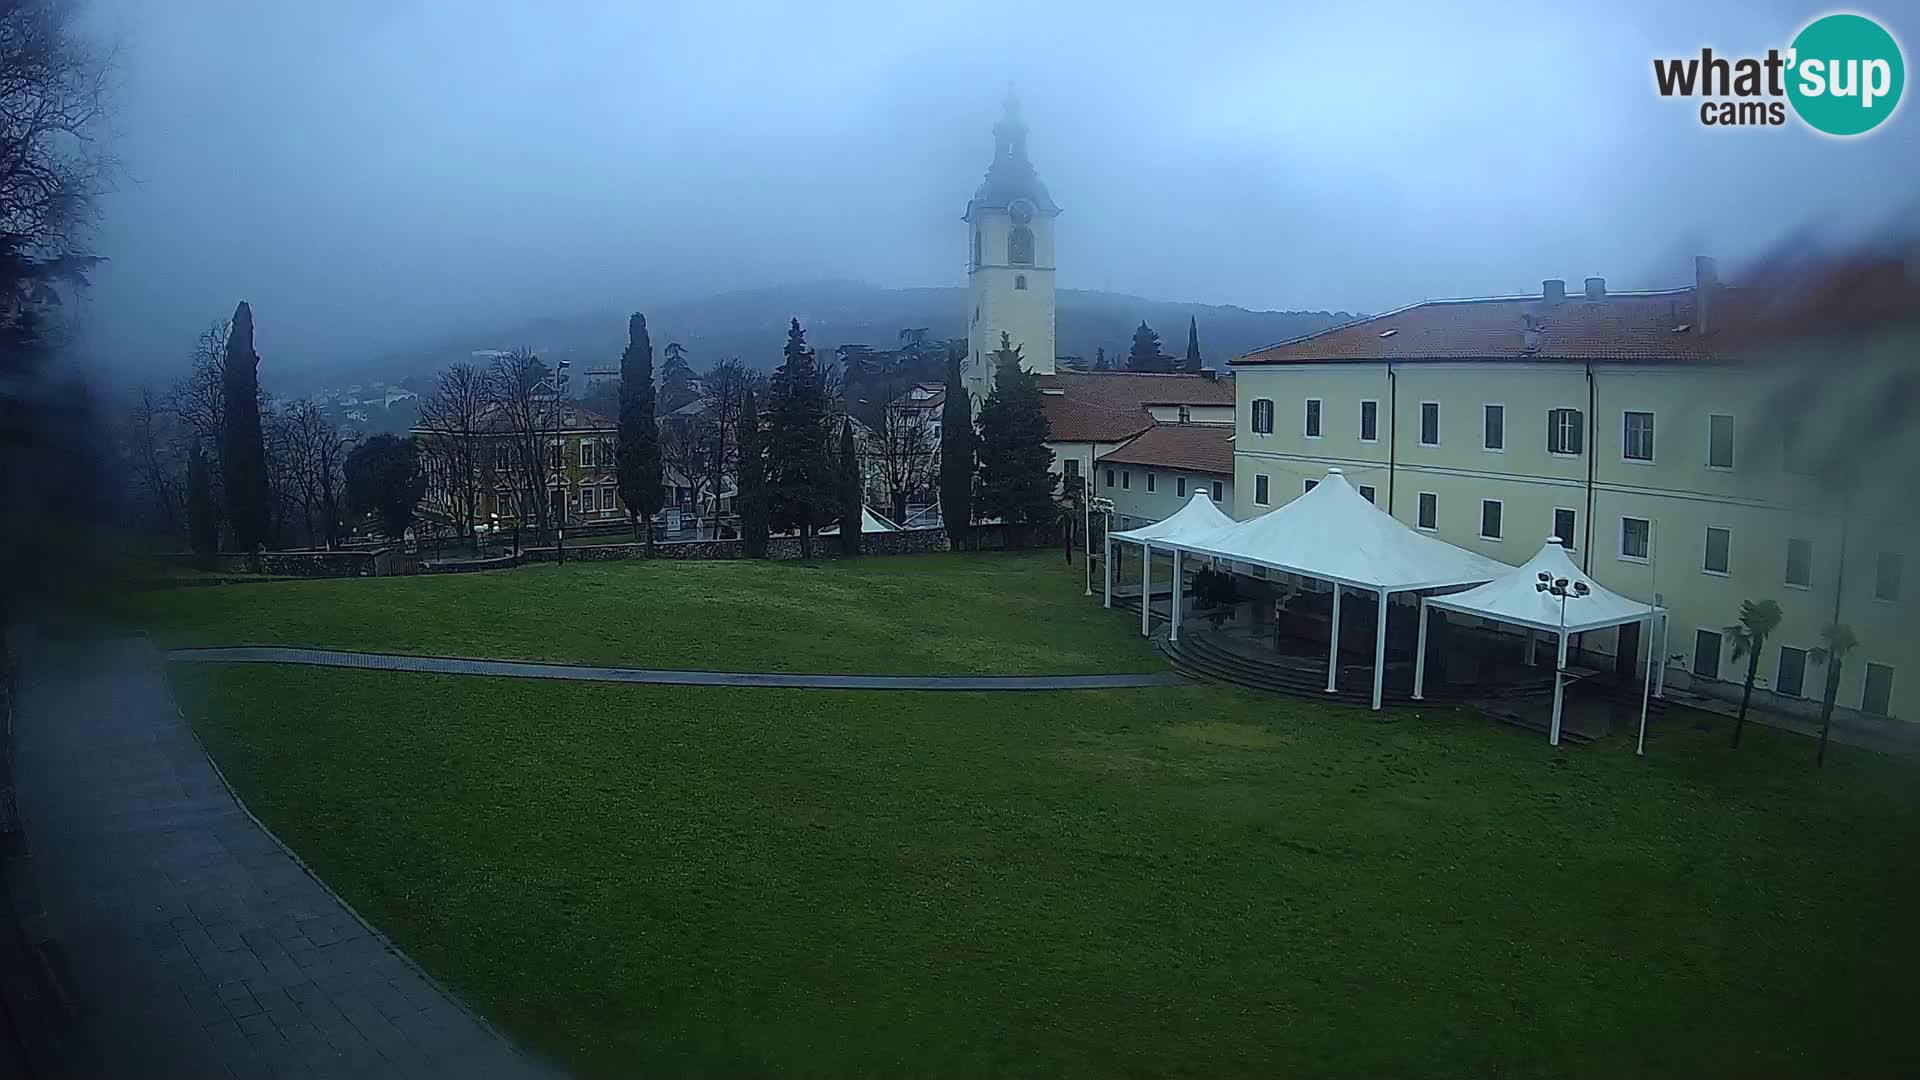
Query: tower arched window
point(1020, 246)
point(1020, 282)
point(976, 247)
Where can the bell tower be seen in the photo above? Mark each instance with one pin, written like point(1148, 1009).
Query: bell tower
point(1010, 259)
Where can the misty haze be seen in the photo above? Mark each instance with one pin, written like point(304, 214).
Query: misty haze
point(622, 539)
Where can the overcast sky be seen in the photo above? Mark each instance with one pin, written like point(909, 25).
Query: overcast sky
point(370, 173)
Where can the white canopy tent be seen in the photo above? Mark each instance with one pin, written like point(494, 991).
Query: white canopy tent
point(1336, 534)
point(1197, 518)
point(1549, 593)
point(870, 522)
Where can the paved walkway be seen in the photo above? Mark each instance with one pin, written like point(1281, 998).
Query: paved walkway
point(191, 942)
point(269, 654)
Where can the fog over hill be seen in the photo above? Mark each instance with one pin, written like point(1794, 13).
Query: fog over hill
point(751, 324)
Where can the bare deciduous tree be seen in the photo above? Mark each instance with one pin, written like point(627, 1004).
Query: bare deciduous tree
point(529, 410)
point(156, 455)
point(453, 417)
point(724, 390)
point(317, 452)
point(685, 439)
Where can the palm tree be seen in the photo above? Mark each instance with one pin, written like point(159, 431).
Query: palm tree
point(1839, 641)
point(1757, 623)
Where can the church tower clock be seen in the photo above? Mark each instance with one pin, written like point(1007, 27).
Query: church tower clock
point(1010, 263)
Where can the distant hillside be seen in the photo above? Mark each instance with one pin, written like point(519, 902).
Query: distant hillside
point(751, 324)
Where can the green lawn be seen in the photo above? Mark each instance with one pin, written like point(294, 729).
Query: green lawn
point(918, 614)
point(1190, 881)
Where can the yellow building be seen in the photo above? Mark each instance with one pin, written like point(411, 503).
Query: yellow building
point(1683, 444)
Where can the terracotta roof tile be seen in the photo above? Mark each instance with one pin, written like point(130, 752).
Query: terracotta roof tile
point(1197, 447)
point(1103, 406)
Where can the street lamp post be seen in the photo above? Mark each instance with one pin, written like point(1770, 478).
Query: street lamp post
point(1086, 525)
point(1561, 588)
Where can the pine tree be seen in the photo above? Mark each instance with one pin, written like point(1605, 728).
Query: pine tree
point(637, 460)
point(1100, 362)
point(800, 476)
point(243, 456)
point(1145, 354)
point(1193, 362)
point(850, 500)
point(676, 379)
point(752, 480)
point(203, 529)
point(1016, 477)
point(956, 454)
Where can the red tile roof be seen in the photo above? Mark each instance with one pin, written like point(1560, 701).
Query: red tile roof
point(1204, 448)
point(1104, 406)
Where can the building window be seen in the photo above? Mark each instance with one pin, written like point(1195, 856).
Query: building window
point(1109, 477)
point(606, 499)
point(1262, 416)
point(1071, 469)
point(1800, 563)
point(1719, 441)
point(1429, 423)
point(1149, 481)
point(1309, 486)
point(1219, 491)
point(1495, 425)
point(1019, 283)
point(1565, 431)
point(1179, 487)
point(553, 455)
point(586, 453)
point(1126, 479)
point(1490, 511)
point(1020, 246)
point(1565, 526)
point(1313, 418)
point(1719, 541)
point(1706, 654)
point(1876, 696)
point(1886, 576)
point(976, 257)
point(1369, 421)
point(1367, 492)
point(586, 500)
point(1260, 490)
point(1186, 415)
point(1636, 538)
point(1428, 516)
point(1792, 681)
point(1636, 437)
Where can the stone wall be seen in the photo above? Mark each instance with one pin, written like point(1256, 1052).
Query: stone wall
point(302, 564)
point(904, 542)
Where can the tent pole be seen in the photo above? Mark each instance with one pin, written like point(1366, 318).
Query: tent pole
point(1559, 691)
point(1533, 650)
point(1106, 570)
point(1646, 690)
point(1333, 644)
point(1174, 609)
point(1380, 651)
point(1146, 589)
point(1420, 655)
point(1660, 673)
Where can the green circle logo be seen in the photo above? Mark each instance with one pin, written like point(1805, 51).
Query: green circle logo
point(1846, 74)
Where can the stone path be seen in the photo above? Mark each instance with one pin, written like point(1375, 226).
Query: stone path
point(267, 654)
point(190, 942)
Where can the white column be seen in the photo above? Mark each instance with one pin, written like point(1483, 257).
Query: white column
point(1559, 691)
point(1106, 570)
point(1333, 644)
point(1146, 588)
point(1420, 655)
point(1660, 673)
point(1380, 652)
point(1533, 650)
point(1174, 609)
point(1646, 688)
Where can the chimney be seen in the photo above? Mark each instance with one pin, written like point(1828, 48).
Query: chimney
point(1706, 282)
point(1596, 288)
point(1210, 374)
point(1553, 290)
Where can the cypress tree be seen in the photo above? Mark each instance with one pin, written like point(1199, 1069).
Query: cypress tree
point(752, 481)
point(1145, 354)
point(1016, 477)
point(203, 531)
point(243, 456)
point(850, 500)
point(956, 455)
point(1193, 363)
point(800, 482)
point(637, 459)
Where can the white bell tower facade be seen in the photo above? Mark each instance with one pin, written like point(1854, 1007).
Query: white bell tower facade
point(1010, 260)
